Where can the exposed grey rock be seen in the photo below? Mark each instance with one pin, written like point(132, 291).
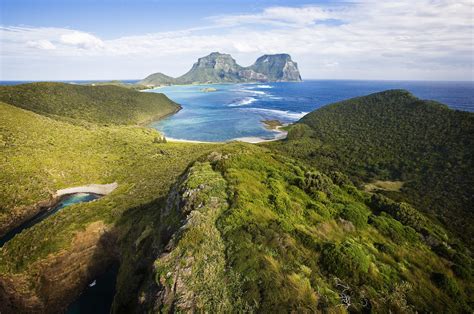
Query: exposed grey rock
point(277, 67)
point(222, 68)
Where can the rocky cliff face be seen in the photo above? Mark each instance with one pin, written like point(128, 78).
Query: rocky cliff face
point(216, 67)
point(217, 61)
point(190, 274)
point(278, 67)
point(222, 68)
point(51, 284)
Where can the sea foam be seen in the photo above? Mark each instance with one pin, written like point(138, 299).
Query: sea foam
point(251, 91)
point(278, 113)
point(243, 102)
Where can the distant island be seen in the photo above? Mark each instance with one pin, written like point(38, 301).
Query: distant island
point(222, 68)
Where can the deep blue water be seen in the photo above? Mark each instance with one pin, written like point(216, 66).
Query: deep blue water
point(66, 201)
point(236, 110)
point(97, 298)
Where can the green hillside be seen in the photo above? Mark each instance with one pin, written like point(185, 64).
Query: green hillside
point(41, 155)
point(265, 233)
point(277, 227)
point(96, 104)
point(157, 79)
point(118, 83)
point(391, 136)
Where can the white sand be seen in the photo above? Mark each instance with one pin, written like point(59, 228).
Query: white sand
point(254, 139)
point(250, 139)
point(102, 189)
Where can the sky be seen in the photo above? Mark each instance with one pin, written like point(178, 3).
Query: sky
point(347, 39)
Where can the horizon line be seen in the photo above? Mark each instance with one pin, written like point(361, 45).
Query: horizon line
point(307, 79)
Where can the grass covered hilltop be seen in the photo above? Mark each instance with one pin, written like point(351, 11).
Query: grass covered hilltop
point(394, 136)
point(103, 104)
point(277, 227)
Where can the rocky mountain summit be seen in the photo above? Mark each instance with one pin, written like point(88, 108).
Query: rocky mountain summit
point(222, 68)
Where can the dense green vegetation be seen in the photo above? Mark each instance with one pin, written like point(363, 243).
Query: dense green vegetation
point(157, 79)
point(198, 258)
point(119, 84)
point(105, 104)
point(288, 247)
point(278, 227)
point(40, 155)
point(393, 135)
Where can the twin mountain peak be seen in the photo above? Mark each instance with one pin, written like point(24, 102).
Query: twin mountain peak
point(222, 68)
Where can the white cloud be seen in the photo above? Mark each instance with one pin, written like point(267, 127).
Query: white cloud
point(331, 64)
point(278, 16)
point(41, 44)
point(424, 39)
point(81, 40)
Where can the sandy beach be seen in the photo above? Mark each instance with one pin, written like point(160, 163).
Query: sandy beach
point(280, 135)
point(102, 189)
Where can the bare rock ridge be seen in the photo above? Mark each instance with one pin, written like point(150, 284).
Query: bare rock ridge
point(222, 68)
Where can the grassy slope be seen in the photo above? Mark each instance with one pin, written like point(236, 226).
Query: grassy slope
point(97, 104)
point(293, 240)
point(281, 233)
point(393, 135)
point(40, 155)
point(157, 79)
point(131, 86)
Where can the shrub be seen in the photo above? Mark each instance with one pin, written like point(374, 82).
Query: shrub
point(322, 210)
point(408, 216)
point(298, 131)
point(315, 182)
point(347, 260)
point(357, 214)
point(339, 178)
point(392, 228)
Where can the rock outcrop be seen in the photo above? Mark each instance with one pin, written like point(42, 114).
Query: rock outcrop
point(278, 67)
point(222, 68)
point(190, 274)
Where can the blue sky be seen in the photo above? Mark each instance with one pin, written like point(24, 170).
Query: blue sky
point(106, 17)
point(121, 39)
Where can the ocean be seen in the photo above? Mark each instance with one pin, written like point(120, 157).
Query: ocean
point(235, 111)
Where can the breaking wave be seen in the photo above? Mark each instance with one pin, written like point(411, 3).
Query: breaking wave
point(243, 102)
point(251, 91)
point(279, 113)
